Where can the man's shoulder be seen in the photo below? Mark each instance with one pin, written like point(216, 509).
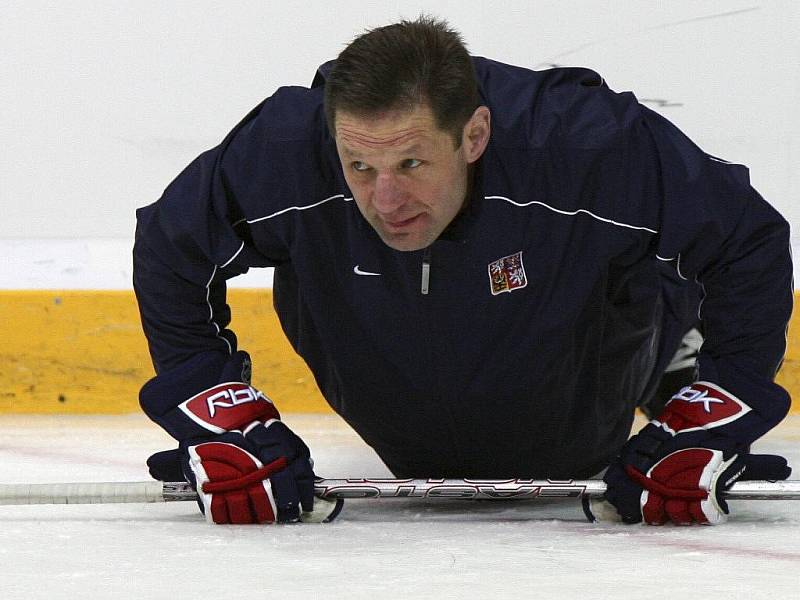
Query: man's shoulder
point(282, 151)
point(486, 68)
point(285, 133)
point(294, 113)
point(534, 107)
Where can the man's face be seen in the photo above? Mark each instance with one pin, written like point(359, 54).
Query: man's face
point(407, 178)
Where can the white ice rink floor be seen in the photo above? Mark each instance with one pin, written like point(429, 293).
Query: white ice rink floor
point(376, 549)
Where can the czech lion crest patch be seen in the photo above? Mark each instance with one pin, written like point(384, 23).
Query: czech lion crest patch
point(507, 274)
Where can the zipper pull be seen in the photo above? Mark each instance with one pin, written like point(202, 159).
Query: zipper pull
point(426, 271)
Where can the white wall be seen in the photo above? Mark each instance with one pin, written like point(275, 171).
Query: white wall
point(103, 103)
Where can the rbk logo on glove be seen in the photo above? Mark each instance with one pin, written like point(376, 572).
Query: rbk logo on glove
point(227, 406)
point(702, 405)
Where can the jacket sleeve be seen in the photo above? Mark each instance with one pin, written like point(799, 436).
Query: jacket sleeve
point(193, 239)
point(716, 231)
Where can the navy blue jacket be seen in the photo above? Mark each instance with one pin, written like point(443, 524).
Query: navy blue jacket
point(593, 231)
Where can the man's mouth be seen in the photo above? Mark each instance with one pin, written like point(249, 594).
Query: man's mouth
point(401, 224)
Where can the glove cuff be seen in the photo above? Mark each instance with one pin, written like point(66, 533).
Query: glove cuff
point(212, 407)
point(700, 406)
point(228, 406)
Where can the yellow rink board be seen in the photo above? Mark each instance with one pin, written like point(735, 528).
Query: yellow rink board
point(84, 352)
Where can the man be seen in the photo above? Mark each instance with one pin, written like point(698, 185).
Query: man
point(486, 268)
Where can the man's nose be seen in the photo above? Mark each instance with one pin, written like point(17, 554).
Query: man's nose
point(388, 193)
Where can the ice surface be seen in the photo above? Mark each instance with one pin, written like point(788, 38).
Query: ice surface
point(377, 548)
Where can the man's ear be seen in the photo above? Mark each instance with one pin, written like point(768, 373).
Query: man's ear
point(475, 136)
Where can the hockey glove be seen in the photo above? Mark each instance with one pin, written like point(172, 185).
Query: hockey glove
point(676, 468)
point(246, 465)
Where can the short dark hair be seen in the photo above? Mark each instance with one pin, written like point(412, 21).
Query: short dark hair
point(403, 65)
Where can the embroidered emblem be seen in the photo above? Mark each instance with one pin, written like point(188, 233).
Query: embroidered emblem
point(507, 274)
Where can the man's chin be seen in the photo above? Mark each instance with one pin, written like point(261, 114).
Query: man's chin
point(403, 243)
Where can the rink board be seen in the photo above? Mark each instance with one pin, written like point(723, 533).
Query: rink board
point(84, 352)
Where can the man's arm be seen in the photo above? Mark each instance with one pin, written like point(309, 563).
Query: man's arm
point(717, 233)
point(188, 244)
point(717, 230)
point(246, 465)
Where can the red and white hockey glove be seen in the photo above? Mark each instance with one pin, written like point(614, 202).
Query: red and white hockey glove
point(676, 468)
point(683, 487)
point(233, 485)
point(245, 463)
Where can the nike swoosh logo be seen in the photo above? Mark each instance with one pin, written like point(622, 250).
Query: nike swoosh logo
point(358, 271)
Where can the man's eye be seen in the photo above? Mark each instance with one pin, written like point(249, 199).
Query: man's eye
point(359, 166)
point(411, 163)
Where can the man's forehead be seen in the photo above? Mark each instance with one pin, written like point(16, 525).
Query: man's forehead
point(386, 130)
point(351, 148)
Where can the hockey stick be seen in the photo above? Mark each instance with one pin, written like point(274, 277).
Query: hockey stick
point(331, 489)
